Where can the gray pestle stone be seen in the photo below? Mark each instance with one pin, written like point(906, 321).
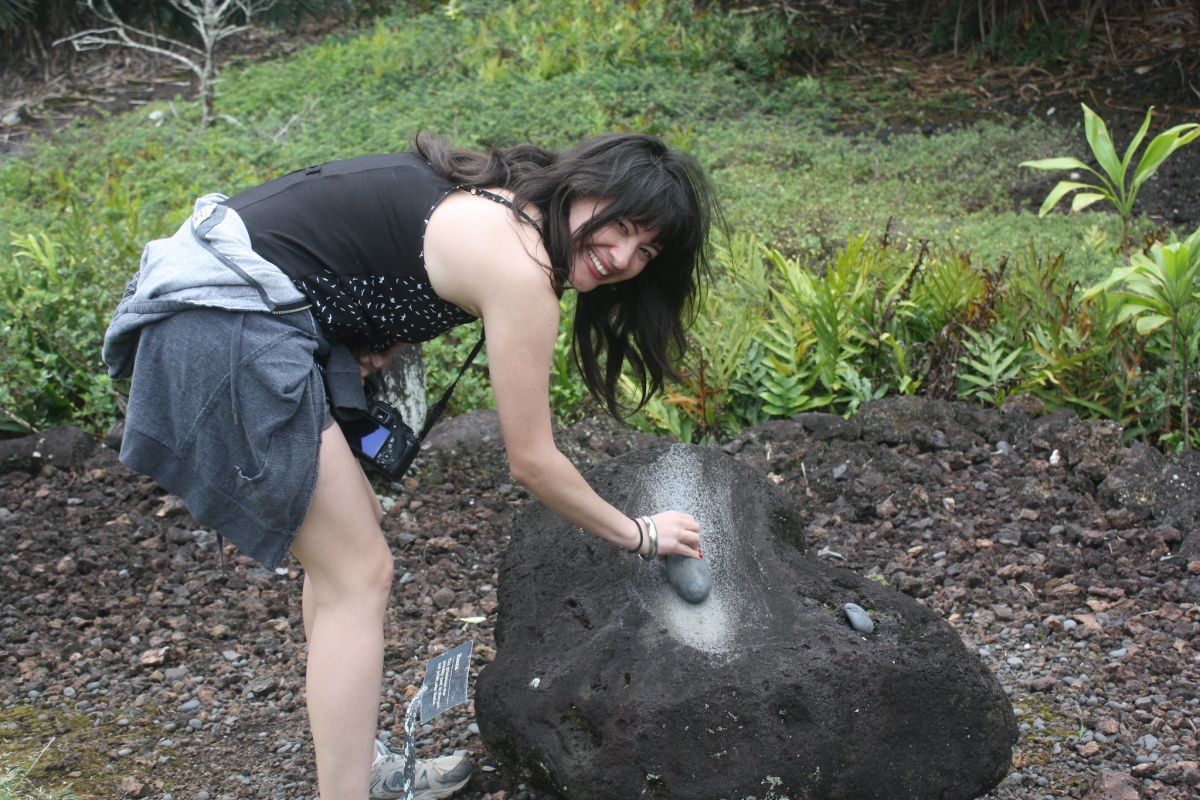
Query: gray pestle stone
point(689, 577)
point(859, 619)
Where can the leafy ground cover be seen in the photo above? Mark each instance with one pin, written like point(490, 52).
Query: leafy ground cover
point(917, 169)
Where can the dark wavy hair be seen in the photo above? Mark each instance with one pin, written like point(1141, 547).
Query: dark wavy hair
point(641, 322)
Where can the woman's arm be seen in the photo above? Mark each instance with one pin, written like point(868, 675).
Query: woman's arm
point(520, 351)
point(494, 273)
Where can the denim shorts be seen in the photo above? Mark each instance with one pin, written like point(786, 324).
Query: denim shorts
point(226, 411)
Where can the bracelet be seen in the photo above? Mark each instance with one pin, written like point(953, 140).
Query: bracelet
point(641, 537)
point(652, 532)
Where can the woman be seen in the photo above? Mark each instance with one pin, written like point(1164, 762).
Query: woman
point(232, 403)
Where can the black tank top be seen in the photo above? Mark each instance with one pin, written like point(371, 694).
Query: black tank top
point(350, 234)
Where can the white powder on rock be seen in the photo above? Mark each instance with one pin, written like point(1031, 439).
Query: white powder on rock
point(674, 484)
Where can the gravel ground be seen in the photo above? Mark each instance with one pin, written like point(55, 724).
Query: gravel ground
point(136, 667)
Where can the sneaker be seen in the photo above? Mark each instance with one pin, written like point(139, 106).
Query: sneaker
point(433, 778)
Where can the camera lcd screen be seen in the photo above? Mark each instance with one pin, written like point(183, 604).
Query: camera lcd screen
point(365, 435)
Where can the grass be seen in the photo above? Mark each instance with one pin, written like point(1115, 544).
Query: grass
point(66, 755)
point(15, 784)
point(801, 163)
point(26, 759)
point(807, 189)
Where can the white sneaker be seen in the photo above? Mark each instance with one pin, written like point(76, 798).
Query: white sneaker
point(433, 778)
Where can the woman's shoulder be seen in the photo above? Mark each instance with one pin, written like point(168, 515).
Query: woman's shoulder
point(475, 247)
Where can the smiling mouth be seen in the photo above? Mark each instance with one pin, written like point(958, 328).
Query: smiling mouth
point(596, 263)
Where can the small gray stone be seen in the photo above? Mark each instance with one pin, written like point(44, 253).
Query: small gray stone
point(263, 685)
point(190, 705)
point(115, 434)
point(859, 619)
point(690, 577)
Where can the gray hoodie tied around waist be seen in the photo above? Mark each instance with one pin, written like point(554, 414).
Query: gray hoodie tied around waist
point(209, 263)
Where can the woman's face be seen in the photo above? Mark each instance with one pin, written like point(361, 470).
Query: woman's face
point(616, 252)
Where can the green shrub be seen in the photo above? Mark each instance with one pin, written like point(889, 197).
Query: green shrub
point(55, 306)
point(807, 312)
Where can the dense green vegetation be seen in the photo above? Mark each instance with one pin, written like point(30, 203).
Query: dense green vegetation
point(863, 259)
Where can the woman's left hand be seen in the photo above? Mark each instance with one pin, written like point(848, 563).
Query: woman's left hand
point(678, 534)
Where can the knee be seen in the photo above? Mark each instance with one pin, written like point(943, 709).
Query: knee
point(359, 577)
point(369, 588)
point(379, 568)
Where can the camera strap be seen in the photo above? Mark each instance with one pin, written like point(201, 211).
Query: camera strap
point(436, 412)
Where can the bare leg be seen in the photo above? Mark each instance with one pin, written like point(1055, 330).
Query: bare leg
point(306, 599)
point(347, 583)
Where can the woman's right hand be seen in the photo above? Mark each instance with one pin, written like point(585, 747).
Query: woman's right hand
point(678, 534)
point(369, 362)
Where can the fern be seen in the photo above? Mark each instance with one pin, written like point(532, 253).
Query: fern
point(989, 367)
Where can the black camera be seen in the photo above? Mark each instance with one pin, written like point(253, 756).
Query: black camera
point(381, 440)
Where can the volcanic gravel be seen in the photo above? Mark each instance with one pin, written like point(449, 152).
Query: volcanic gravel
point(133, 665)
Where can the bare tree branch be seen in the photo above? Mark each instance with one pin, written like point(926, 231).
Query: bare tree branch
point(212, 19)
point(95, 39)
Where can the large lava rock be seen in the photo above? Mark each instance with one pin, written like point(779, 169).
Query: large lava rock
point(66, 447)
point(607, 685)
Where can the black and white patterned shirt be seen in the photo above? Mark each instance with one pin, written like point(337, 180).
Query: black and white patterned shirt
point(350, 234)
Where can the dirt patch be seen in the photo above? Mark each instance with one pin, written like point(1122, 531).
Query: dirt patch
point(40, 99)
point(138, 667)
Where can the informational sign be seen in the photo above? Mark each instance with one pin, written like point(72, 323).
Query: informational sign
point(445, 687)
point(446, 681)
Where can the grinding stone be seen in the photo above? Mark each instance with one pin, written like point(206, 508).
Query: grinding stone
point(859, 619)
point(690, 577)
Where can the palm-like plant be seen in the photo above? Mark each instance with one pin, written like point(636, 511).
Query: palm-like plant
point(1162, 287)
point(1115, 183)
